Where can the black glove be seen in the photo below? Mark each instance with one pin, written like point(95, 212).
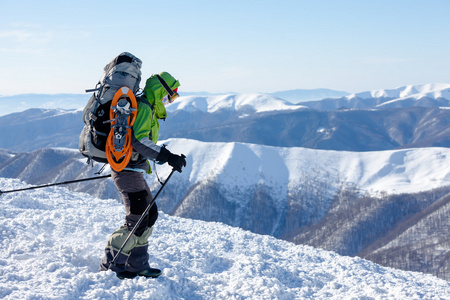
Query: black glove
point(174, 160)
point(177, 161)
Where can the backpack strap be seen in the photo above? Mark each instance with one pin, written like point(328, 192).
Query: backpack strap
point(144, 101)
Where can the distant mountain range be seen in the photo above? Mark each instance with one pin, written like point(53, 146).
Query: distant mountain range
point(428, 95)
point(22, 102)
point(302, 95)
point(293, 96)
point(257, 119)
point(38, 128)
point(378, 189)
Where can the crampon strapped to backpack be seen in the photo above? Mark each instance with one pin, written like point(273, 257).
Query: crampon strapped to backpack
point(110, 113)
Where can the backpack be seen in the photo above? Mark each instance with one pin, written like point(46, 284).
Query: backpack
point(110, 113)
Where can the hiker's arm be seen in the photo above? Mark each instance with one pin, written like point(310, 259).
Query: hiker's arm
point(143, 144)
point(141, 140)
point(146, 147)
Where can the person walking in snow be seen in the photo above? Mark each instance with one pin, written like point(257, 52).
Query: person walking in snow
point(136, 194)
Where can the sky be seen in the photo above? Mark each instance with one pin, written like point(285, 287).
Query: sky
point(226, 46)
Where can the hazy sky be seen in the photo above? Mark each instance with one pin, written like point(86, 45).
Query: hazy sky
point(223, 46)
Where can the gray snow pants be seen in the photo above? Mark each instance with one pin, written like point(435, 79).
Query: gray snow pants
point(136, 196)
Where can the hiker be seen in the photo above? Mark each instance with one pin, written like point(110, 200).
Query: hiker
point(136, 126)
point(136, 194)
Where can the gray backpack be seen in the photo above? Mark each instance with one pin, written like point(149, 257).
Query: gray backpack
point(123, 70)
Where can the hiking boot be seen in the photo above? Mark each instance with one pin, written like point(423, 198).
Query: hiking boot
point(126, 275)
point(153, 273)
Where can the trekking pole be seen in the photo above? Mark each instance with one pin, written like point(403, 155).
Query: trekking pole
point(53, 184)
point(141, 219)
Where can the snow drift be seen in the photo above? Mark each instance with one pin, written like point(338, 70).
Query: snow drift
point(52, 240)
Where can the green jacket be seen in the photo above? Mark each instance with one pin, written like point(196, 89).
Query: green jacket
point(146, 125)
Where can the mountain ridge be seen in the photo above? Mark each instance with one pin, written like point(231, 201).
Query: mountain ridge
point(296, 96)
point(426, 95)
point(349, 130)
point(283, 192)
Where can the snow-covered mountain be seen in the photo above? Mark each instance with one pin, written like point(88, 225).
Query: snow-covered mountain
point(427, 95)
point(409, 244)
point(303, 95)
point(240, 119)
point(240, 104)
point(290, 193)
point(293, 96)
point(352, 130)
point(49, 165)
point(237, 102)
point(52, 241)
point(38, 128)
point(21, 102)
point(238, 166)
point(436, 90)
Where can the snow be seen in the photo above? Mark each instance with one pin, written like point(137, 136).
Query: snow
point(52, 240)
point(18, 103)
point(240, 164)
point(235, 102)
point(434, 91)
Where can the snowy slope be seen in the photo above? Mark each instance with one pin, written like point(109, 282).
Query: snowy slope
point(53, 239)
point(276, 191)
point(237, 183)
point(238, 164)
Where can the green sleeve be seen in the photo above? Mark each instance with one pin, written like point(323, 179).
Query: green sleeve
point(142, 126)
